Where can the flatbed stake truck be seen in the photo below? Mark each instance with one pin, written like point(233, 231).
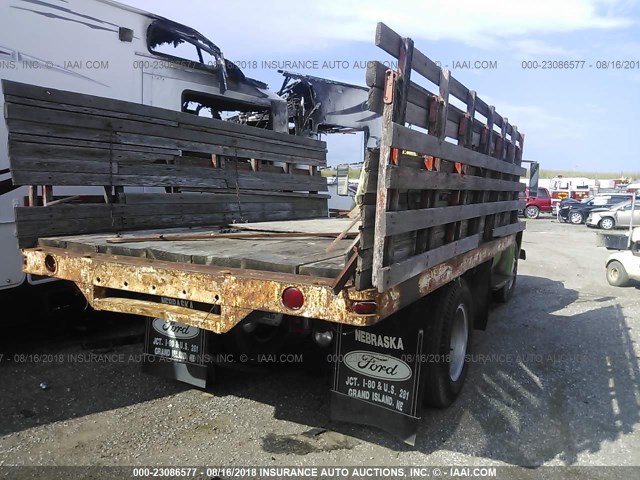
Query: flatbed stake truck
point(236, 243)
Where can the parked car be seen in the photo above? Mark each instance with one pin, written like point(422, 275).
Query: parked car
point(540, 203)
point(577, 212)
point(618, 216)
point(564, 203)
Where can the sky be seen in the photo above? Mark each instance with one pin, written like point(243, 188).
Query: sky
point(573, 119)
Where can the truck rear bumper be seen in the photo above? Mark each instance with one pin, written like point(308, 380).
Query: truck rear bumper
point(212, 298)
point(217, 299)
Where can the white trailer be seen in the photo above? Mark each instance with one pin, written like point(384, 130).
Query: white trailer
point(104, 48)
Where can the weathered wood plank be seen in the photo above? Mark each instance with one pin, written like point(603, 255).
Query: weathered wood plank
point(79, 151)
point(69, 212)
point(42, 166)
point(390, 42)
point(418, 95)
point(210, 148)
point(182, 132)
point(69, 219)
point(329, 268)
point(223, 253)
point(317, 225)
point(288, 257)
point(410, 220)
point(380, 250)
point(76, 173)
point(226, 196)
point(27, 177)
point(235, 191)
point(418, 115)
point(412, 179)
point(509, 229)
point(250, 180)
point(29, 232)
point(123, 107)
point(402, 271)
point(159, 121)
point(172, 137)
point(305, 256)
point(368, 177)
point(55, 142)
point(416, 141)
point(88, 110)
point(441, 121)
point(396, 93)
point(142, 209)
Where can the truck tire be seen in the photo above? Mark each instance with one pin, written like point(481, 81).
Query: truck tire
point(532, 212)
point(447, 336)
point(617, 276)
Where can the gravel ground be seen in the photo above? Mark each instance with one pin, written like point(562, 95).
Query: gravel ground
point(555, 381)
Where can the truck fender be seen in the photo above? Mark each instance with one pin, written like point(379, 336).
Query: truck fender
point(479, 281)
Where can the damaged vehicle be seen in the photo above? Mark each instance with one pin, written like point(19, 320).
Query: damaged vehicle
point(111, 50)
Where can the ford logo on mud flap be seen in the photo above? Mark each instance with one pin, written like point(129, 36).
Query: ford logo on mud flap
point(175, 329)
point(377, 365)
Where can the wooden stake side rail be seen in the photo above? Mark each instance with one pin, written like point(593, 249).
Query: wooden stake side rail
point(240, 173)
point(390, 42)
point(444, 189)
point(425, 179)
point(122, 109)
point(71, 219)
point(406, 139)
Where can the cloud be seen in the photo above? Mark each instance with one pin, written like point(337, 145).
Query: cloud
point(539, 125)
point(527, 48)
point(278, 27)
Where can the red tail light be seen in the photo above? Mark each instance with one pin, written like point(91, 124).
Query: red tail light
point(364, 308)
point(292, 298)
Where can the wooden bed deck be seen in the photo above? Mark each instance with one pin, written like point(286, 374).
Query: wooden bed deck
point(300, 255)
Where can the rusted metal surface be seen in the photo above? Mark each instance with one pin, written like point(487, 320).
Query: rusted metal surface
point(390, 77)
point(409, 291)
point(105, 279)
point(346, 273)
point(108, 282)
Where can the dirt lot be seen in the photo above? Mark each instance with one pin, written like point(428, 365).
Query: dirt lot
point(555, 381)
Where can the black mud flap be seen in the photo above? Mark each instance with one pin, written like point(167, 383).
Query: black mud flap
point(176, 351)
point(377, 378)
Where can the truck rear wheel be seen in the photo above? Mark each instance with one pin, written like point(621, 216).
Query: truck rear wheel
point(447, 337)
